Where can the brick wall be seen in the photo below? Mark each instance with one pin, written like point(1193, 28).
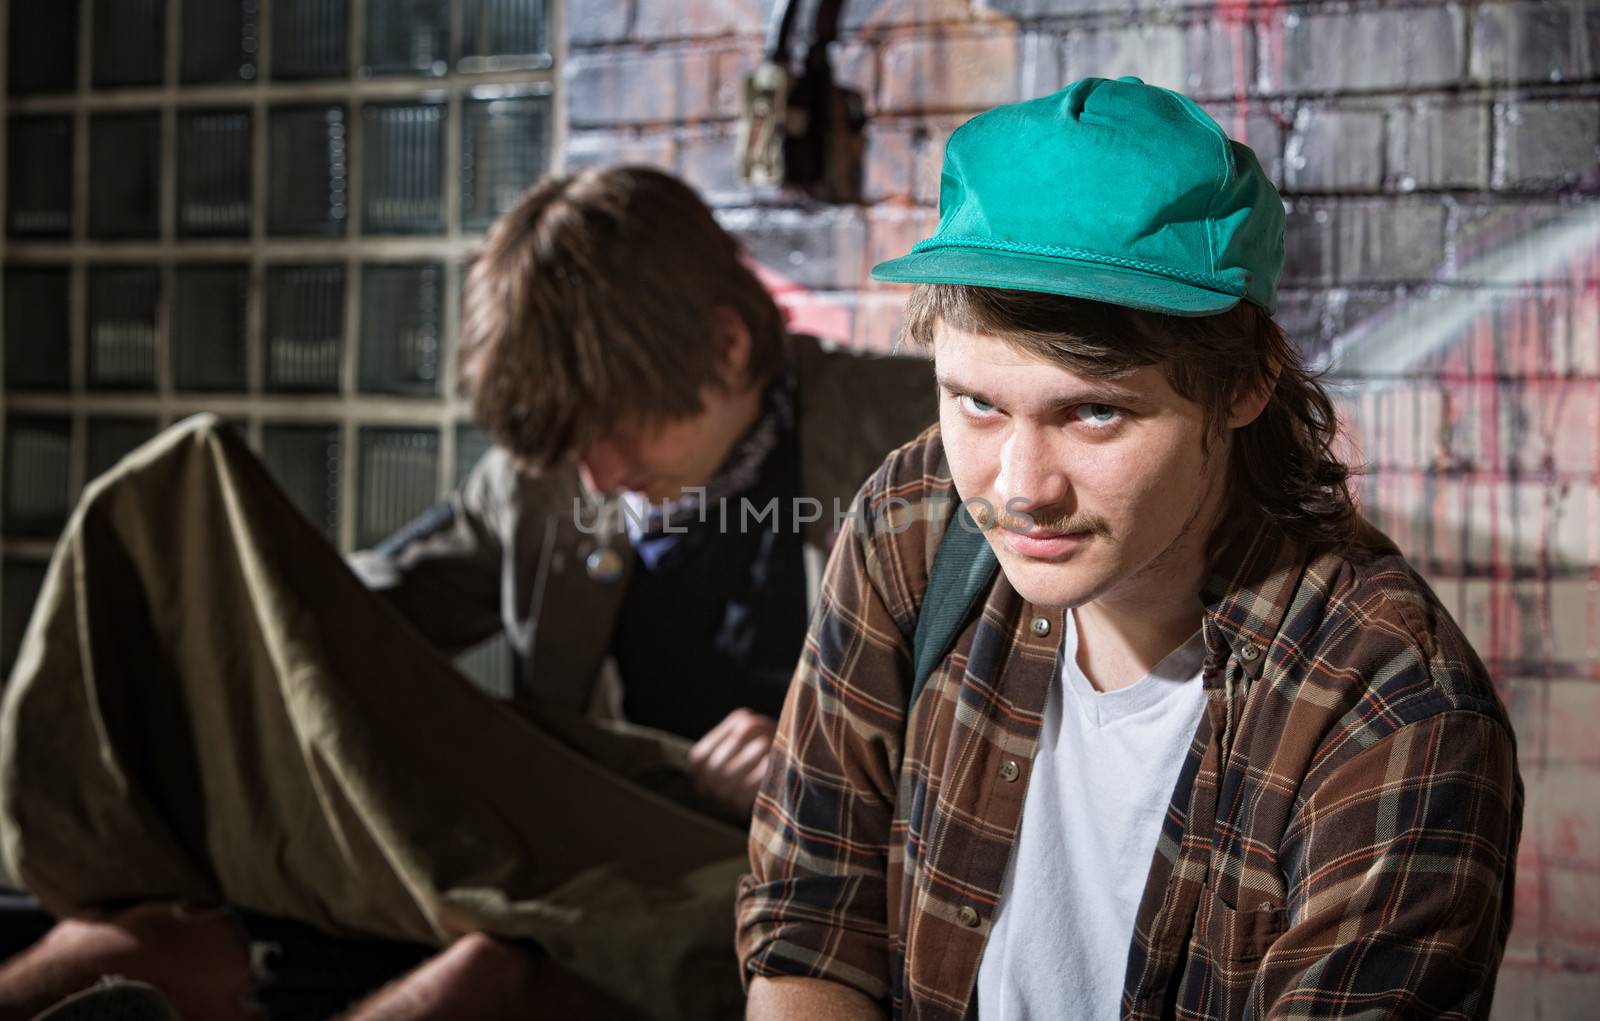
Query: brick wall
point(1440, 164)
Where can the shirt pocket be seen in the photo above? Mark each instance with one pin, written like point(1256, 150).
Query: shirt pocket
point(1231, 936)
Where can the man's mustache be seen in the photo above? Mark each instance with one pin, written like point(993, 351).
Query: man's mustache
point(1020, 516)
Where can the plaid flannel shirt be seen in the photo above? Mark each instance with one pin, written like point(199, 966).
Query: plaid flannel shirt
point(1340, 842)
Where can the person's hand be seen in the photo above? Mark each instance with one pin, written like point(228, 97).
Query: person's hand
point(728, 764)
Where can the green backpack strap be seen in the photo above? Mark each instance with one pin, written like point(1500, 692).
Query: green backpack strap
point(962, 571)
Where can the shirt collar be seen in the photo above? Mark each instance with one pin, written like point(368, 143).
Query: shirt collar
point(1255, 569)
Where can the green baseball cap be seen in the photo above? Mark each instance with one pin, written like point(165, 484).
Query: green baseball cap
point(1116, 191)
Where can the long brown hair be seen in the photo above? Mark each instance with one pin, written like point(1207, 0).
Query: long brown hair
point(589, 307)
point(1281, 464)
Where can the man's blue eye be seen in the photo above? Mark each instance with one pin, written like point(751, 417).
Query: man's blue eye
point(1097, 414)
point(975, 406)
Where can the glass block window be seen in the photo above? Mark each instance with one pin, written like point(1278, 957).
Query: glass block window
point(305, 461)
point(42, 48)
point(307, 191)
point(402, 328)
point(214, 173)
point(183, 234)
point(38, 475)
point(130, 42)
point(408, 37)
point(125, 204)
point(208, 327)
point(399, 479)
point(20, 582)
point(122, 323)
point(304, 340)
point(109, 439)
point(37, 339)
point(504, 34)
point(310, 39)
point(39, 176)
point(403, 179)
point(220, 41)
point(505, 145)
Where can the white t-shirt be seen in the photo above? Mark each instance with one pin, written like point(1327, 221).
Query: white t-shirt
point(1104, 774)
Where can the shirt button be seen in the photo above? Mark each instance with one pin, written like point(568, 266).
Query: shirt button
point(1009, 771)
point(1041, 626)
point(967, 916)
point(1249, 652)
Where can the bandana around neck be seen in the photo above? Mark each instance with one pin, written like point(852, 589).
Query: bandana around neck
point(739, 471)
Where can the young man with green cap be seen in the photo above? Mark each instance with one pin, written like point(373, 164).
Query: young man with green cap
point(1114, 706)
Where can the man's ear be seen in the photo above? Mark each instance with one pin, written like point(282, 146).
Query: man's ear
point(1249, 404)
point(731, 337)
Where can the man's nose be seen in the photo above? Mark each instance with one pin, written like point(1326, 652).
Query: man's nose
point(602, 468)
point(1031, 474)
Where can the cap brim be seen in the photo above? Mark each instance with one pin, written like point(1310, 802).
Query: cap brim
point(1018, 272)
